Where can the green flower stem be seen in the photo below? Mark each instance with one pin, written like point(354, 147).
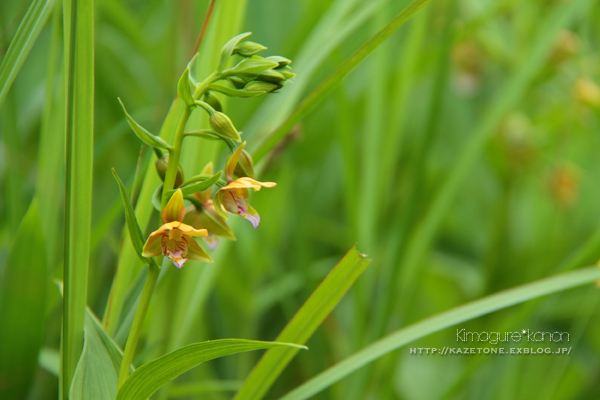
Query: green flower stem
point(138, 321)
point(153, 269)
point(174, 155)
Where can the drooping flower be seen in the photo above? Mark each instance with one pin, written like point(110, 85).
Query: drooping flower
point(233, 197)
point(174, 239)
point(202, 215)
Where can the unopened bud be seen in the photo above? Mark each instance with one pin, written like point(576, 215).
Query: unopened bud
point(238, 82)
point(222, 125)
point(245, 166)
point(162, 164)
point(247, 49)
point(212, 101)
point(272, 76)
point(287, 72)
point(282, 61)
point(251, 67)
point(566, 46)
point(260, 86)
point(587, 92)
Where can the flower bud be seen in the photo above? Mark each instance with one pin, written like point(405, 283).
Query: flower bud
point(287, 72)
point(282, 61)
point(272, 76)
point(260, 86)
point(212, 101)
point(238, 82)
point(162, 164)
point(247, 49)
point(587, 92)
point(245, 166)
point(251, 67)
point(222, 125)
point(565, 47)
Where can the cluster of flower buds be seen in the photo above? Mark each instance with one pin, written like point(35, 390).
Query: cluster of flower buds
point(206, 216)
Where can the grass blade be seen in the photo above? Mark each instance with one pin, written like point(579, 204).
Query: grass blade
point(22, 307)
point(27, 33)
point(148, 378)
point(79, 59)
point(420, 240)
point(340, 72)
point(441, 321)
point(304, 323)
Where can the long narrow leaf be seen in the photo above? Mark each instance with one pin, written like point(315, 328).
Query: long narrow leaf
point(22, 307)
point(27, 33)
point(304, 323)
point(148, 378)
point(340, 72)
point(79, 60)
point(441, 321)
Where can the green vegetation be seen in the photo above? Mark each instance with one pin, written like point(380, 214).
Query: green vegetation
point(453, 142)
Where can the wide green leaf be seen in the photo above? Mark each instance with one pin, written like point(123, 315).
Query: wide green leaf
point(29, 29)
point(97, 371)
point(441, 321)
point(304, 323)
point(22, 306)
point(148, 378)
point(143, 134)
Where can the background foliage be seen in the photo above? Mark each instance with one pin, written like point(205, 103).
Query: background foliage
point(461, 155)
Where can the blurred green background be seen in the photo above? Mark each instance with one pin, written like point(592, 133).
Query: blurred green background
point(462, 156)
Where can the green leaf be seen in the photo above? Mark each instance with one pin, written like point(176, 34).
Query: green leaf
point(156, 197)
point(321, 91)
point(227, 50)
point(148, 378)
point(183, 89)
point(29, 29)
point(97, 371)
point(233, 92)
point(191, 69)
point(199, 186)
point(135, 232)
point(466, 312)
point(79, 139)
point(143, 134)
point(22, 306)
point(304, 323)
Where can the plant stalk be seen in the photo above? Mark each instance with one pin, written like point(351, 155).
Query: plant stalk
point(138, 322)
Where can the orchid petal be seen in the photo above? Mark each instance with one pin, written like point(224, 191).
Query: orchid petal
point(232, 162)
point(195, 252)
point(234, 203)
point(177, 257)
point(191, 231)
point(255, 183)
point(212, 242)
point(252, 216)
point(175, 209)
point(152, 247)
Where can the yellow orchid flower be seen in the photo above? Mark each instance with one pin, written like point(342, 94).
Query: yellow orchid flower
point(202, 215)
point(233, 197)
point(174, 239)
